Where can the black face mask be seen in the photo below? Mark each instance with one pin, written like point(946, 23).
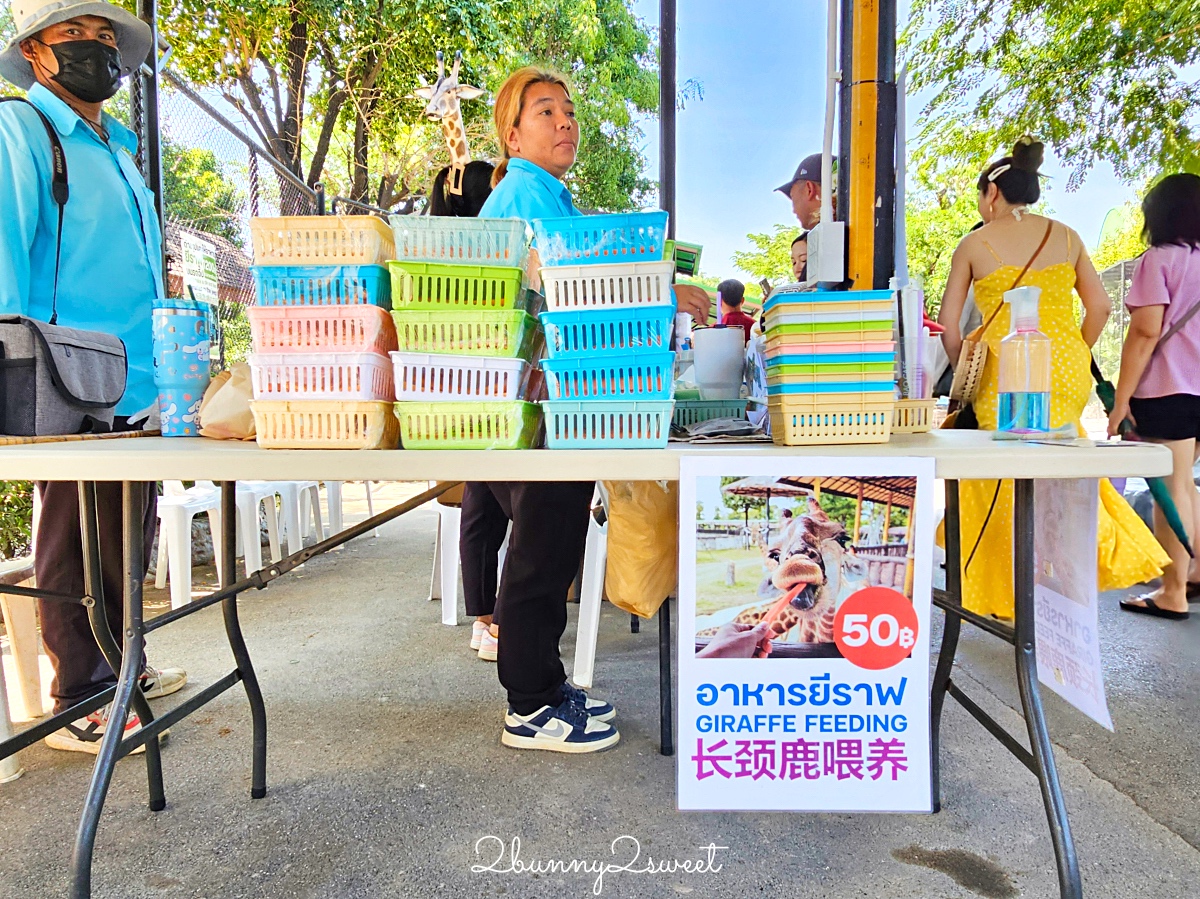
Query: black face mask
point(90, 70)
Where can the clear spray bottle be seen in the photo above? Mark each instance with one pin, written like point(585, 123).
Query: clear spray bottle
point(1025, 371)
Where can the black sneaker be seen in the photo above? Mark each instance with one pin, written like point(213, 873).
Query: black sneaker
point(596, 708)
point(563, 728)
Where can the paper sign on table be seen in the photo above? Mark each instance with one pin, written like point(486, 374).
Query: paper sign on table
point(831, 711)
point(1065, 595)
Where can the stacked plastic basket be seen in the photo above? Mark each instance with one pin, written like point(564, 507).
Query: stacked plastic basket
point(321, 333)
point(610, 371)
point(830, 366)
point(466, 334)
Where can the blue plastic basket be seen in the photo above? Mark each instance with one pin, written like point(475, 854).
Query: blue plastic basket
point(601, 239)
point(322, 285)
point(608, 425)
point(832, 387)
point(574, 334)
point(640, 376)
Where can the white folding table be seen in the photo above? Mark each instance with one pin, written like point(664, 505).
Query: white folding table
point(958, 455)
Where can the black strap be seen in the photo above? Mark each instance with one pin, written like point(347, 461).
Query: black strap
point(59, 188)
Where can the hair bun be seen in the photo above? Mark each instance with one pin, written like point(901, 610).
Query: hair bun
point(1028, 154)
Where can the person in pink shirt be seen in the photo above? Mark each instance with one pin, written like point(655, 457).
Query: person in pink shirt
point(1159, 384)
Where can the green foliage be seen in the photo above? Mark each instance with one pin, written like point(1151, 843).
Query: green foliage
point(326, 86)
point(940, 211)
point(16, 518)
point(197, 191)
point(235, 333)
point(1123, 242)
point(1096, 80)
point(771, 257)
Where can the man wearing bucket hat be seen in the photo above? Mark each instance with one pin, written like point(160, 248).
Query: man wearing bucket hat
point(85, 254)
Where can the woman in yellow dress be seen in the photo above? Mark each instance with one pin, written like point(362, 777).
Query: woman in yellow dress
point(991, 258)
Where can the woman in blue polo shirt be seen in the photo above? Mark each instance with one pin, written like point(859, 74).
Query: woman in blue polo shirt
point(536, 127)
point(539, 137)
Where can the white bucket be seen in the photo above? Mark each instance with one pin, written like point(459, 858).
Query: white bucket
point(720, 361)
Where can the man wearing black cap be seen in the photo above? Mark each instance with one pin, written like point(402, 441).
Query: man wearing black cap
point(805, 191)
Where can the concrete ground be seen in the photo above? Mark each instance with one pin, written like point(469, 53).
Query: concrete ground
point(387, 778)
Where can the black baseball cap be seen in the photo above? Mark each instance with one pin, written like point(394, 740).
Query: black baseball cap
point(808, 170)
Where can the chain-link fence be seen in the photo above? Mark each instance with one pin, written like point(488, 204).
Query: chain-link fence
point(215, 179)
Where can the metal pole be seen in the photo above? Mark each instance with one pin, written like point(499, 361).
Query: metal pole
point(842, 211)
point(885, 150)
point(151, 137)
point(667, 26)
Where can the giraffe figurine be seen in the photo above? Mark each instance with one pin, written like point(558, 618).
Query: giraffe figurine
point(443, 105)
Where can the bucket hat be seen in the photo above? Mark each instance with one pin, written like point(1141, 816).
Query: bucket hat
point(31, 16)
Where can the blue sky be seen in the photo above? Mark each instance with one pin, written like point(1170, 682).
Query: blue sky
point(762, 67)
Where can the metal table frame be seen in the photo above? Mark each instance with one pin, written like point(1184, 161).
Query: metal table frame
point(959, 454)
point(126, 660)
point(1039, 759)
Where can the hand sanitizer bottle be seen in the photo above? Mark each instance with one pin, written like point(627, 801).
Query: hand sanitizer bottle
point(1025, 371)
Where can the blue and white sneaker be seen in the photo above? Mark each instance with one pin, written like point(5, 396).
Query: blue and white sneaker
point(563, 728)
point(596, 708)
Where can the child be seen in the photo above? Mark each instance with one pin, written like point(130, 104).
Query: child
point(731, 294)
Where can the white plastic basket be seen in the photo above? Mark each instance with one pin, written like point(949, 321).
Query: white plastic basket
point(460, 241)
point(425, 377)
point(321, 376)
point(608, 286)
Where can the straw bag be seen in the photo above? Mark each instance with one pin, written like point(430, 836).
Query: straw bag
point(973, 355)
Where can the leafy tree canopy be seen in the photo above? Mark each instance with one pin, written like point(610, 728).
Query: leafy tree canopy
point(771, 257)
point(1095, 79)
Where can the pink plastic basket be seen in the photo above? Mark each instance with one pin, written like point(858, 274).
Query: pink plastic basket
point(321, 376)
point(321, 329)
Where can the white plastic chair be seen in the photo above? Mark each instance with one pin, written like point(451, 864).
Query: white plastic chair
point(443, 583)
point(333, 504)
point(250, 496)
point(176, 509)
point(295, 522)
point(591, 595)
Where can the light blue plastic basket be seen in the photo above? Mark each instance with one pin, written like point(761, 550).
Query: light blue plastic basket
point(618, 376)
point(608, 425)
point(574, 334)
point(601, 239)
point(322, 285)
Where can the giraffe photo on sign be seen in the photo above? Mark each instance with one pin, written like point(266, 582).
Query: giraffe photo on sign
point(778, 558)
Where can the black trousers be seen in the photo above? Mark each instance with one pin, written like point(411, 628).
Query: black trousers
point(482, 526)
point(550, 522)
point(80, 669)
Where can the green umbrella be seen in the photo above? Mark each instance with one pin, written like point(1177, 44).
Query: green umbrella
point(1158, 486)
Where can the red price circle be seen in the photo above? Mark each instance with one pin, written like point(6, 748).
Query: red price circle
point(876, 628)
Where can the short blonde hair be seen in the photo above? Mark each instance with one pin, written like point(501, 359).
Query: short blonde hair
point(510, 103)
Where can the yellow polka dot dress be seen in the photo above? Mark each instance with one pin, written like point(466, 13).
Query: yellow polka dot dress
point(1128, 553)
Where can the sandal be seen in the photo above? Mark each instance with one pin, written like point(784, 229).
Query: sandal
point(1150, 607)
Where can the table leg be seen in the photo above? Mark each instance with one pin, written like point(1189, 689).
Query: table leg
point(950, 634)
point(94, 600)
point(131, 665)
point(1024, 573)
point(233, 631)
point(666, 712)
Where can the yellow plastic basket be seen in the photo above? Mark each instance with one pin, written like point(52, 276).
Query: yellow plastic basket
point(831, 418)
point(913, 416)
point(325, 424)
point(321, 240)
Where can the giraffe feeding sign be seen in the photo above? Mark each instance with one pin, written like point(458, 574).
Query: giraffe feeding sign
point(803, 642)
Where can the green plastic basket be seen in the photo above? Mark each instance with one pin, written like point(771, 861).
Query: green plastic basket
point(435, 285)
point(506, 334)
point(690, 412)
point(469, 426)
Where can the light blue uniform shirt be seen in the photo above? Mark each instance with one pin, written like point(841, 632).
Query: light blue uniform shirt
point(111, 267)
point(528, 192)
